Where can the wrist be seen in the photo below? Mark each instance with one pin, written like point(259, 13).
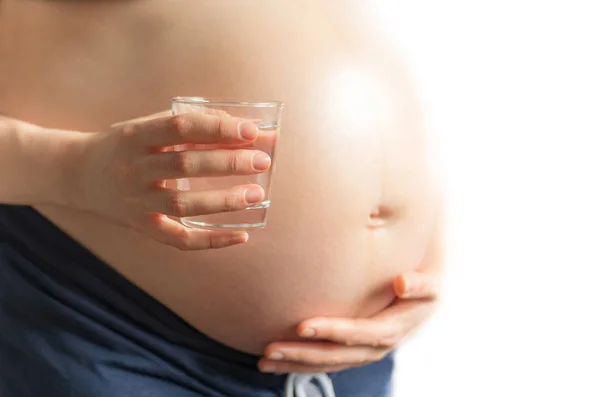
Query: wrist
point(71, 160)
point(39, 166)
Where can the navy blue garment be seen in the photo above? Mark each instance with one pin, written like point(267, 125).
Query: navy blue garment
point(71, 326)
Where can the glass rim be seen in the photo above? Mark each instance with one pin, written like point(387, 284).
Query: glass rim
point(196, 100)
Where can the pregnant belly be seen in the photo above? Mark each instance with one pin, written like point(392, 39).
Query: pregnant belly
point(332, 247)
point(351, 195)
point(350, 209)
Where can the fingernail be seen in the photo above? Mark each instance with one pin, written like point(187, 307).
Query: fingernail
point(261, 161)
point(308, 333)
point(253, 195)
point(275, 356)
point(239, 239)
point(247, 131)
point(267, 368)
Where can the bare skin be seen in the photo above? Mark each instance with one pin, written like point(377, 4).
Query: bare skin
point(354, 200)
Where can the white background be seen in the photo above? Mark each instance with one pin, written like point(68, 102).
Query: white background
point(512, 93)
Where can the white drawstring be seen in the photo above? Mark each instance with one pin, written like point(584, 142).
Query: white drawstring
point(299, 385)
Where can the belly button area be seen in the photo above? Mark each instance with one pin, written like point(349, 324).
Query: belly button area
point(385, 215)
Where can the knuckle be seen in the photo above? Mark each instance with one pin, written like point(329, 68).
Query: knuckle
point(179, 125)
point(232, 202)
point(212, 244)
point(129, 130)
point(220, 128)
point(176, 205)
point(183, 163)
point(234, 162)
point(215, 242)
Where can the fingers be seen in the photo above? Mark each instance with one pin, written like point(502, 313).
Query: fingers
point(286, 367)
point(346, 331)
point(170, 232)
point(201, 163)
point(416, 285)
point(386, 329)
point(190, 128)
point(184, 204)
point(323, 353)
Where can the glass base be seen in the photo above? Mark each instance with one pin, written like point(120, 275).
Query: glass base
point(220, 226)
point(249, 218)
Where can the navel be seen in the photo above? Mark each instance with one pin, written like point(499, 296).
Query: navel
point(384, 215)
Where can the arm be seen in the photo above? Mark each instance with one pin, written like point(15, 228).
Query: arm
point(36, 164)
point(121, 174)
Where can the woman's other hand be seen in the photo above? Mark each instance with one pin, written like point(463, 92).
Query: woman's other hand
point(335, 344)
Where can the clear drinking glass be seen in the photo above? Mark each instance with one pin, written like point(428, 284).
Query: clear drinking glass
point(267, 117)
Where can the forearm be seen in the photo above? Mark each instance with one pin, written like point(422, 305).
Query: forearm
point(37, 165)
